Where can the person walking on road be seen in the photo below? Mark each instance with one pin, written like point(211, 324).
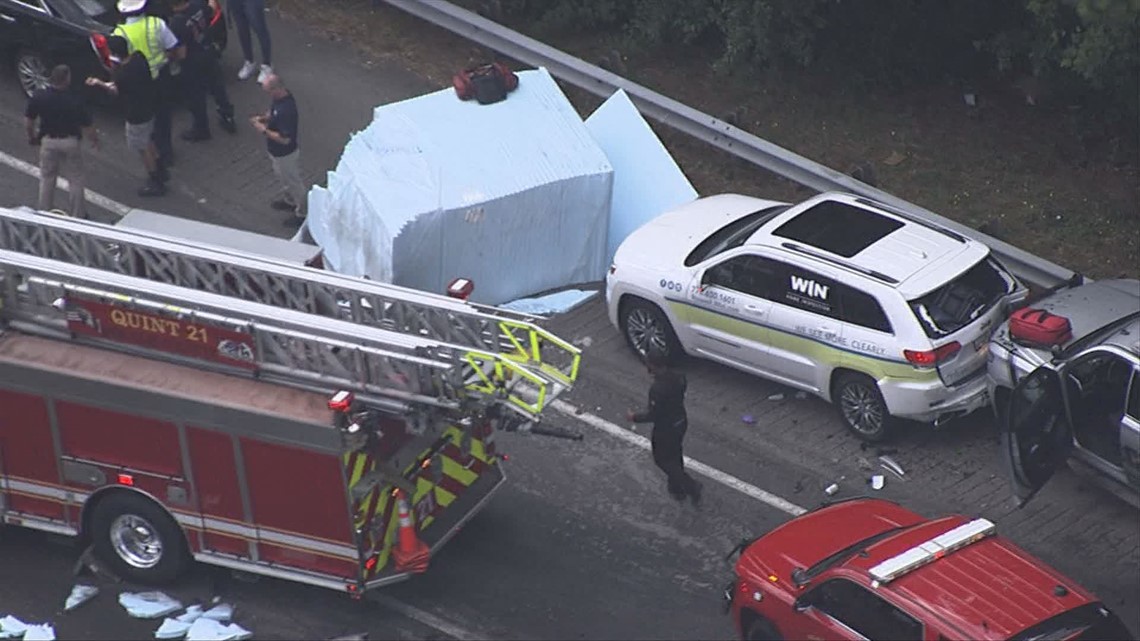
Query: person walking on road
point(131, 82)
point(152, 36)
point(200, 69)
point(63, 121)
point(666, 410)
point(250, 14)
point(279, 125)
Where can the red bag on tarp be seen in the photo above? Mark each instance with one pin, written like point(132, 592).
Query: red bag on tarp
point(487, 84)
point(1038, 327)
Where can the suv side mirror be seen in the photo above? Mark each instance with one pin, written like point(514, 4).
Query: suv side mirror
point(801, 603)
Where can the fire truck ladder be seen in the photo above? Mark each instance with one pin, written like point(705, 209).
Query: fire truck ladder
point(500, 347)
point(401, 372)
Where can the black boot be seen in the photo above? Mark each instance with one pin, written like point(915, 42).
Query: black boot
point(226, 122)
point(153, 187)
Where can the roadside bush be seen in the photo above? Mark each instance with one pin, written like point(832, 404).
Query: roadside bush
point(1088, 51)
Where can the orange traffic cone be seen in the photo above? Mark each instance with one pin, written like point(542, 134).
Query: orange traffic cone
point(411, 554)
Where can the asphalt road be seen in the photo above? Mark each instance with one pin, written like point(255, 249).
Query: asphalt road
point(583, 543)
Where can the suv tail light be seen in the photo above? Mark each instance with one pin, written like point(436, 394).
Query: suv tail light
point(932, 357)
point(99, 44)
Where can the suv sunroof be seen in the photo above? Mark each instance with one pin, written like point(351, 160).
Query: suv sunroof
point(838, 228)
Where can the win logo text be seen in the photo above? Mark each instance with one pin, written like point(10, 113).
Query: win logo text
point(809, 287)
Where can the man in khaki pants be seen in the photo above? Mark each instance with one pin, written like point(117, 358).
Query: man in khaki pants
point(63, 121)
point(280, 126)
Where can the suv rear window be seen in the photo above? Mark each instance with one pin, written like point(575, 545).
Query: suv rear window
point(838, 228)
point(957, 303)
point(731, 235)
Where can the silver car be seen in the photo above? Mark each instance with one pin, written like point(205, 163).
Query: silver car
point(1078, 402)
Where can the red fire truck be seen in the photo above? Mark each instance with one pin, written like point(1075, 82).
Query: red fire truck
point(170, 402)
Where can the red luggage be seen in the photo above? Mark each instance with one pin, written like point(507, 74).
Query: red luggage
point(1038, 327)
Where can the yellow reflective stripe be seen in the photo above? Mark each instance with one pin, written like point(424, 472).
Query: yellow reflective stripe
point(443, 497)
point(143, 36)
point(458, 472)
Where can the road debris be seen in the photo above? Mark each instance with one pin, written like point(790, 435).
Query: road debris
point(801, 396)
point(892, 466)
point(221, 612)
point(148, 605)
point(11, 627)
point(359, 636)
point(776, 397)
point(877, 482)
point(80, 594)
point(748, 419)
point(210, 630)
point(39, 632)
point(830, 490)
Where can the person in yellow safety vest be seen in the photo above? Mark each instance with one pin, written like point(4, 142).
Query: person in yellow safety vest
point(152, 36)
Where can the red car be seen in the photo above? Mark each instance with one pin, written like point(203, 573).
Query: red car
point(872, 569)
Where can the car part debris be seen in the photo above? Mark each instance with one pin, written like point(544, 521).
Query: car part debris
point(877, 482)
point(148, 605)
point(210, 630)
point(830, 490)
point(359, 636)
point(748, 419)
point(892, 466)
point(40, 632)
point(11, 627)
point(80, 594)
point(776, 397)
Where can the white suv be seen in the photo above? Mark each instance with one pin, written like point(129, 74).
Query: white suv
point(855, 302)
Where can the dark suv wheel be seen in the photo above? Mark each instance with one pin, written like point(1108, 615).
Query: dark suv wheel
point(32, 70)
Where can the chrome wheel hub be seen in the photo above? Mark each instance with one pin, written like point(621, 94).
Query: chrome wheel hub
point(645, 332)
point(861, 409)
point(136, 541)
point(33, 74)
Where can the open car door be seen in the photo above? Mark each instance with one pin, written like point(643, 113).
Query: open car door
point(1036, 435)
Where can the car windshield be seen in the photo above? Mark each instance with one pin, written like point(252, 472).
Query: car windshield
point(957, 303)
point(731, 235)
point(1091, 621)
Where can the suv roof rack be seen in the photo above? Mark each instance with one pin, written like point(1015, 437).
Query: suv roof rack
point(877, 275)
point(932, 550)
point(911, 218)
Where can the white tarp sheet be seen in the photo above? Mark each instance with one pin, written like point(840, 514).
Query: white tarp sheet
point(514, 195)
point(647, 181)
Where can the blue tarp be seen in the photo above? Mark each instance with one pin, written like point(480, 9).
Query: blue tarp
point(514, 196)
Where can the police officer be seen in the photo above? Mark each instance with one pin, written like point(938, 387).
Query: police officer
point(201, 70)
point(151, 36)
point(666, 411)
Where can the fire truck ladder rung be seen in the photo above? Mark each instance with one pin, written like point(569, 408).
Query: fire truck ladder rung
point(285, 345)
point(487, 332)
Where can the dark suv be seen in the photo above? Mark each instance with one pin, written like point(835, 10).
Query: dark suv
point(36, 35)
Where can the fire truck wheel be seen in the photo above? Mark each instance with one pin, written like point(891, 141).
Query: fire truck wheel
point(138, 539)
point(761, 629)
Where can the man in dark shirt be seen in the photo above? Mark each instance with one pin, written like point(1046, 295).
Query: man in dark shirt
point(279, 126)
point(63, 121)
point(666, 410)
point(201, 71)
point(132, 83)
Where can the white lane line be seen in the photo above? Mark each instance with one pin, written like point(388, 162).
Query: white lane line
point(93, 197)
point(427, 618)
point(723, 478)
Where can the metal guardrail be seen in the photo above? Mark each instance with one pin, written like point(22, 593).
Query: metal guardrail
point(704, 127)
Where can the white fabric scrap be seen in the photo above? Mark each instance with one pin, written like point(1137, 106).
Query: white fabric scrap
point(148, 605)
point(223, 612)
point(172, 629)
point(11, 627)
point(80, 594)
point(211, 630)
point(555, 303)
point(190, 615)
point(41, 632)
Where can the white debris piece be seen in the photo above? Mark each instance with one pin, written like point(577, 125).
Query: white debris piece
point(222, 612)
point(148, 605)
point(80, 594)
point(210, 630)
point(41, 632)
point(172, 629)
point(11, 627)
point(877, 481)
point(190, 615)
